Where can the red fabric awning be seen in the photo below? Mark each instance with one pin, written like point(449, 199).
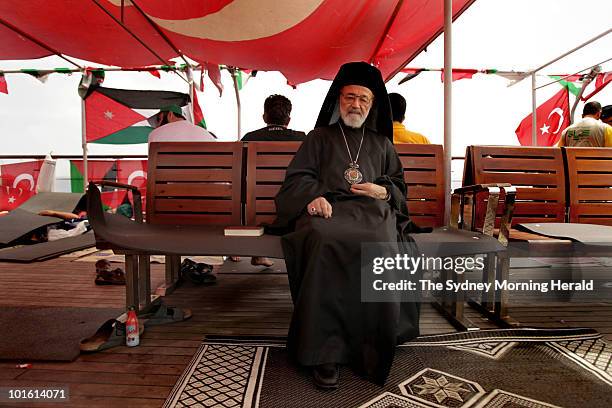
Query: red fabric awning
point(304, 39)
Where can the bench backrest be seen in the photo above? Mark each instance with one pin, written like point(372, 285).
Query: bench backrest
point(590, 184)
point(266, 167)
point(194, 183)
point(424, 177)
point(537, 173)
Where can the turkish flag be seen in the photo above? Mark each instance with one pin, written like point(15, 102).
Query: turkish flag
point(134, 172)
point(105, 116)
point(20, 175)
point(552, 118)
point(11, 198)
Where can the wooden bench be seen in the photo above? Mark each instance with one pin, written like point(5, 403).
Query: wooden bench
point(424, 177)
point(196, 188)
point(589, 178)
point(537, 173)
point(266, 166)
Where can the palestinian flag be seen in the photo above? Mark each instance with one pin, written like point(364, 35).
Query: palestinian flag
point(198, 119)
point(121, 116)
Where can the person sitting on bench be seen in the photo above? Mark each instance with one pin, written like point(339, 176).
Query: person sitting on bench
point(344, 187)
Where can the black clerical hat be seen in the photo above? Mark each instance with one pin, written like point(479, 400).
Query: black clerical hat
point(363, 74)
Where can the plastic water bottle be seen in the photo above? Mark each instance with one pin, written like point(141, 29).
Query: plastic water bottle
point(132, 338)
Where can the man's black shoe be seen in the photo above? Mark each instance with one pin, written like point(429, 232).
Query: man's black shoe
point(326, 376)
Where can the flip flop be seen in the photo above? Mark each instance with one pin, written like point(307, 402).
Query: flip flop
point(110, 334)
point(166, 314)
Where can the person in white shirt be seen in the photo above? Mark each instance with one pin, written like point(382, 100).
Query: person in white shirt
point(174, 128)
point(590, 131)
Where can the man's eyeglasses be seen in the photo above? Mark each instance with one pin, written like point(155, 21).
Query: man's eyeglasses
point(351, 98)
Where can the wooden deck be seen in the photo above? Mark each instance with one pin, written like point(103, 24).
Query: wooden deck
point(244, 302)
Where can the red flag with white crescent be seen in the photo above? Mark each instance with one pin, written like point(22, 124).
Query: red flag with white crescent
point(20, 175)
point(552, 117)
point(11, 198)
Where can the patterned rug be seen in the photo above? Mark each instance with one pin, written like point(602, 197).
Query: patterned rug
point(509, 368)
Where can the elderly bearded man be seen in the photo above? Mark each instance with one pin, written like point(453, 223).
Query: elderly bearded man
point(343, 188)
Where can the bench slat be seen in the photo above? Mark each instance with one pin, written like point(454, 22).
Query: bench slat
point(262, 190)
point(190, 174)
point(195, 219)
point(594, 209)
point(418, 162)
point(423, 207)
point(523, 164)
point(194, 160)
point(193, 190)
point(265, 206)
point(264, 175)
point(603, 193)
point(520, 179)
point(420, 177)
point(275, 160)
point(593, 180)
point(193, 205)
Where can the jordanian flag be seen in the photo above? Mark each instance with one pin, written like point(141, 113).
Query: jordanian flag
point(121, 116)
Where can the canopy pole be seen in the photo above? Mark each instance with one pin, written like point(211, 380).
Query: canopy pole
point(191, 91)
point(84, 144)
point(448, 93)
point(238, 106)
point(534, 107)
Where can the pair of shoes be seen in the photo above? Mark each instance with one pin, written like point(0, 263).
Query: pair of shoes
point(106, 276)
point(110, 334)
point(326, 376)
point(261, 261)
point(198, 273)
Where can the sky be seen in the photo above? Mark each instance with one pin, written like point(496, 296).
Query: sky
point(521, 35)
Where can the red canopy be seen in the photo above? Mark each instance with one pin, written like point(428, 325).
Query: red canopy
point(303, 39)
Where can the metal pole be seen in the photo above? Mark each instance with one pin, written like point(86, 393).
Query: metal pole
point(84, 143)
point(597, 37)
point(233, 72)
point(534, 107)
point(448, 93)
point(191, 90)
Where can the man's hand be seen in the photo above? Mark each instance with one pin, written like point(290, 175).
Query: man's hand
point(319, 206)
point(370, 190)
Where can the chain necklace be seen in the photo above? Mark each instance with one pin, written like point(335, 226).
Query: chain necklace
point(352, 175)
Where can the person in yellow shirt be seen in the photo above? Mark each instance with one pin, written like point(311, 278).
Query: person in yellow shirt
point(400, 133)
point(590, 131)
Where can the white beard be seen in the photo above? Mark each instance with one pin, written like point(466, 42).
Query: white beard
point(353, 120)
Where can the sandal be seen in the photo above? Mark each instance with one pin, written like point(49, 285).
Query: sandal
point(198, 273)
point(110, 334)
point(165, 314)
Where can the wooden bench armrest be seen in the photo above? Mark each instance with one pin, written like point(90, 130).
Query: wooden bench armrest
point(494, 191)
point(135, 191)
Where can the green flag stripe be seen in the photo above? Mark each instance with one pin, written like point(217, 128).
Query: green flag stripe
point(575, 90)
point(76, 179)
point(130, 135)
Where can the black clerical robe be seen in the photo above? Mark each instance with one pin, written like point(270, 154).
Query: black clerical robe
point(330, 323)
